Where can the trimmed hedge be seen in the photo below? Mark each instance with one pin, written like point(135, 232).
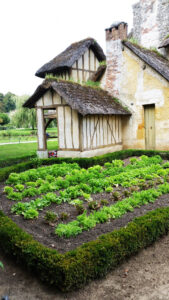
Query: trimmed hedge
point(83, 162)
point(92, 260)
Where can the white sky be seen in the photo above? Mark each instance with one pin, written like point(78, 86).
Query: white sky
point(32, 32)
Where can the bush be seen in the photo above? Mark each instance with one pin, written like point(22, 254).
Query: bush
point(91, 260)
point(83, 162)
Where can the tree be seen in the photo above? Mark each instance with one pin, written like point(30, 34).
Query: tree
point(23, 117)
point(4, 119)
point(9, 102)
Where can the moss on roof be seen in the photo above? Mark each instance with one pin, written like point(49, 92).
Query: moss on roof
point(85, 99)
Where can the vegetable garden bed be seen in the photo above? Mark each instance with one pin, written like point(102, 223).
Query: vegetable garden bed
point(64, 206)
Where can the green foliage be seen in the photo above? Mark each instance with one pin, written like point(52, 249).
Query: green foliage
point(166, 37)
point(7, 102)
point(4, 119)
point(64, 216)
point(19, 187)
point(8, 189)
point(71, 230)
point(51, 216)
point(23, 117)
point(133, 41)
point(93, 84)
point(92, 260)
point(102, 63)
point(93, 205)
point(15, 196)
point(31, 213)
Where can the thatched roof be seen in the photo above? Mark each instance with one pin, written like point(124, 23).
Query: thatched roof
point(164, 44)
point(86, 100)
point(67, 58)
point(153, 59)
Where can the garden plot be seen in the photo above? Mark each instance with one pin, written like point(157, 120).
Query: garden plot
point(64, 205)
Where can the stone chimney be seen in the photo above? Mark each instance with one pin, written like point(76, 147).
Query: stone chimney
point(114, 36)
point(151, 22)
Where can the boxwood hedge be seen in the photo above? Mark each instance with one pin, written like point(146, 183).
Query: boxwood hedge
point(92, 260)
point(83, 162)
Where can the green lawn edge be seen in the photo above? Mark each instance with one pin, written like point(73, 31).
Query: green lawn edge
point(92, 260)
point(83, 162)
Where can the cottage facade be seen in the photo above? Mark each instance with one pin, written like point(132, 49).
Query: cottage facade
point(139, 76)
point(90, 121)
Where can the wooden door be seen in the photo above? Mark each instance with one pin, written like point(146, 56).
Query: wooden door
point(149, 121)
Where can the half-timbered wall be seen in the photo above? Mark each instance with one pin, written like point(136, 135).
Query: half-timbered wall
point(85, 66)
point(68, 128)
point(67, 120)
point(101, 131)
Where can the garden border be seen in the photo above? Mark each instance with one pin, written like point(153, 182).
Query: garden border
point(92, 260)
point(83, 162)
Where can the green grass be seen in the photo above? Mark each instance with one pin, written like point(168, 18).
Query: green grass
point(21, 135)
point(18, 151)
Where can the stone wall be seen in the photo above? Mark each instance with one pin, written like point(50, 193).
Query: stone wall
point(151, 22)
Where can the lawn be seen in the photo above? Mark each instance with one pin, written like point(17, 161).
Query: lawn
point(19, 151)
point(21, 135)
point(69, 205)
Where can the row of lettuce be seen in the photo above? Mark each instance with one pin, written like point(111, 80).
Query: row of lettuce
point(79, 182)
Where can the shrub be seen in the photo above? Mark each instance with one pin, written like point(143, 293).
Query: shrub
point(92, 260)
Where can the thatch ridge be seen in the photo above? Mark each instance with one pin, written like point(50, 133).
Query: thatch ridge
point(67, 58)
point(85, 99)
point(153, 59)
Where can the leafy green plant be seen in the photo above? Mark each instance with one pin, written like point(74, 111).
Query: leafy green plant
point(15, 196)
point(1, 265)
point(8, 189)
point(51, 216)
point(19, 187)
point(64, 216)
point(93, 205)
point(79, 208)
point(104, 202)
point(116, 196)
point(31, 213)
point(109, 189)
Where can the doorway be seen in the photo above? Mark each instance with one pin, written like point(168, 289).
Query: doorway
point(149, 123)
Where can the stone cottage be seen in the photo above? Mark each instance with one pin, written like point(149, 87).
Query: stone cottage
point(92, 121)
point(138, 74)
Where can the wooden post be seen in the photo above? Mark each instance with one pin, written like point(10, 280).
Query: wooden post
point(42, 145)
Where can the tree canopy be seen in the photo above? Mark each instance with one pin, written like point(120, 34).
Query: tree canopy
point(23, 117)
point(7, 102)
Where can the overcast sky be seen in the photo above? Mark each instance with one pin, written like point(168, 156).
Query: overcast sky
point(32, 32)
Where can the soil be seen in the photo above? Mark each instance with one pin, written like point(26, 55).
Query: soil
point(143, 277)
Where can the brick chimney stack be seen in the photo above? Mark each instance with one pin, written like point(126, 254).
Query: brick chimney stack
point(115, 34)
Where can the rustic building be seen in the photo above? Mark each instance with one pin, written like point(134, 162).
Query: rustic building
point(140, 76)
point(91, 121)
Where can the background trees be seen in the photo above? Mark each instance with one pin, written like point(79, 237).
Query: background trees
point(23, 117)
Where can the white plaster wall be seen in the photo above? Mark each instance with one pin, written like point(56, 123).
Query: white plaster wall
point(47, 98)
point(90, 153)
